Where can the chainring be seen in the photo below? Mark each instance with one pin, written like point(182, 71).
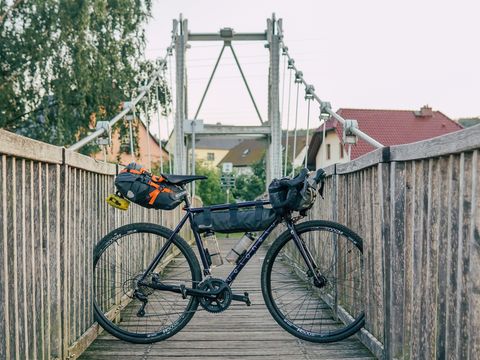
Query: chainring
point(222, 301)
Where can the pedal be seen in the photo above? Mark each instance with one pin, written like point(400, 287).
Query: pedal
point(244, 298)
point(117, 202)
point(183, 290)
point(247, 301)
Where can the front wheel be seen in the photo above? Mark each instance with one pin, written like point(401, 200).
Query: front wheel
point(127, 306)
point(323, 308)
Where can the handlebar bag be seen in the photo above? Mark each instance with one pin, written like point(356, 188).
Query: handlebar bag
point(299, 198)
point(141, 187)
point(277, 194)
point(234, 219)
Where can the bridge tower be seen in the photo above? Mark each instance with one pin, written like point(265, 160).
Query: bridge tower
point(272, 36)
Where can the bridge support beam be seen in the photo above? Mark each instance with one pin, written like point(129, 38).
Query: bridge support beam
point(180, 160)
point(274, 154)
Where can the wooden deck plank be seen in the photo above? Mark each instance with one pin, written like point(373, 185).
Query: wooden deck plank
point(240, 332)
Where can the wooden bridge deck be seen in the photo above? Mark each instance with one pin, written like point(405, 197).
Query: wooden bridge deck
point(240, 332)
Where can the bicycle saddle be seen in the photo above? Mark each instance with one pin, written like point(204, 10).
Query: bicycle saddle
point(183, 179)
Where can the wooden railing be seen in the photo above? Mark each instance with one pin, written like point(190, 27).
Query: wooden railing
point(52, 213)
point(417, 207)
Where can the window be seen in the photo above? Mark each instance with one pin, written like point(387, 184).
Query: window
point(341, 151)
point(328, 152)
point(210, 156)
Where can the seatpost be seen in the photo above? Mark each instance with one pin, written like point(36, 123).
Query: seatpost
point(187, 197)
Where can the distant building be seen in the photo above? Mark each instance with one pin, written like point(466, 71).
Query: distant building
point(208, 149)
point(251, 151)
point(467, 122)
point(389, 127)
point(211, 150)
point(119, 152)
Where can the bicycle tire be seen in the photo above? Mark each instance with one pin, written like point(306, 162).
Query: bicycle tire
point(285, 267)
point(130, 235)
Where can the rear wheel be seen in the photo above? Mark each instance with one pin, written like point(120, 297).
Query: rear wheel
point(324, 310)
point(132, 311)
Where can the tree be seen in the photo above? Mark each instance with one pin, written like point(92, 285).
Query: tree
point(210, 190)
point(66, 64)
point(249, 187)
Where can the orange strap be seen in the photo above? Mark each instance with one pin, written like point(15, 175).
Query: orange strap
point(157, 179)
point(153, 196)
point(155, 185)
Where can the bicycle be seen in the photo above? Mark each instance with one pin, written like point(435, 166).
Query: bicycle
point(148, 283)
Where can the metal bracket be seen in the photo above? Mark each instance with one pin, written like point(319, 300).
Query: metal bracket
point(227, 33)
point(349, 136)
point(325, 108)
point(291, 63)
point(309, 91)
point(298, 77)
point(106, 138)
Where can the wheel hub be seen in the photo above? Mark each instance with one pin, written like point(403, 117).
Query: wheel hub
point(131, 286)
point(320, 281)
point(219, 302)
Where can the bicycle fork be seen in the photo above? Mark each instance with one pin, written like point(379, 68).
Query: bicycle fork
point(318, 279)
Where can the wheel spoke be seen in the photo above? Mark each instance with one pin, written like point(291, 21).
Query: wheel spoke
point(118, 294)
point(301, 303)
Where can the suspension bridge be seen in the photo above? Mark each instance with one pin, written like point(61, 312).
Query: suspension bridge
point(416, 206)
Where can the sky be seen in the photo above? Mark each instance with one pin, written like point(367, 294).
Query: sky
point(358, 54)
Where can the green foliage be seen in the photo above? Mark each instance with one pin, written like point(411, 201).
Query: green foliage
point(249, 187)
point(210, 190)
point(66, 64)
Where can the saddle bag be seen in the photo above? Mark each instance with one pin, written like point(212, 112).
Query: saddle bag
point(234, 219)
point(141, 187)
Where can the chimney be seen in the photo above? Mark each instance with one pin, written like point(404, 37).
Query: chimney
point(425, 111)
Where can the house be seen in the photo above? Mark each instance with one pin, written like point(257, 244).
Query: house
point(251, 151)
point(208, 149)
point(467, 122)
point(212, 149)
point(389, 127)
point(119, 152)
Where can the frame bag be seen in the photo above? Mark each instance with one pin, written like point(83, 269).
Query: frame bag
point(234, 219)
point(141, 187)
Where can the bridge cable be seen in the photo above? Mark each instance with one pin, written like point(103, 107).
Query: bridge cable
point(288, 120)
point(323, 141)
point(172, 114)
point(147, 118)
point(295, 130)
point(157, 98)
point(308, 96)
point(308, 128)
point(326, 108)
point(283, 99)
point(131, 133)
point(309, 89)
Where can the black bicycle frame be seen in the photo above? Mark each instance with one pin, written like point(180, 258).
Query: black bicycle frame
point(246, 257)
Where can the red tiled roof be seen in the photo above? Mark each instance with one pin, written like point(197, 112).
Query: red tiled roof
point(394, 127)
point(250, 151)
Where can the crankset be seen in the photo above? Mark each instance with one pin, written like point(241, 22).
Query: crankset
point(200, 291)
point(221, 301)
